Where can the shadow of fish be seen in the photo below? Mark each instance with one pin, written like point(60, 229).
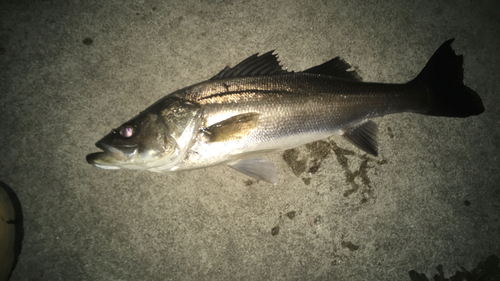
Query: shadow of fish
point(256, 108)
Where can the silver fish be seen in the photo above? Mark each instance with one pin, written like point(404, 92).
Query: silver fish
point(256, 108)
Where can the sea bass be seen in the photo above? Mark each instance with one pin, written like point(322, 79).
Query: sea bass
point(256, 108)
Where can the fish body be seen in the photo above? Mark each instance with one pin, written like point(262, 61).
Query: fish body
point(289, 111)
point(256, 108)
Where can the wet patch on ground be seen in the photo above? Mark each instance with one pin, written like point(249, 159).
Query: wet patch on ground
point(283, 219)
point(291, 157)
point(275, 230)
point(317, 152)
point(390, 133)
point(354, 165)
point(248, 182)
point(349, 245)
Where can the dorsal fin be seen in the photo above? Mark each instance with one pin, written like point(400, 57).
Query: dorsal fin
point(336, 67)
point(255, 65)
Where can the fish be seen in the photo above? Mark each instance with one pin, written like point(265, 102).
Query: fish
point(256, 107)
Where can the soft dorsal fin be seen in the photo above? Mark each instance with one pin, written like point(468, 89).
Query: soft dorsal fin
point(336, 67)
point(255, 65)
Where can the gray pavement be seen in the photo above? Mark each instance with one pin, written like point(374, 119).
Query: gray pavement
point(72, 70)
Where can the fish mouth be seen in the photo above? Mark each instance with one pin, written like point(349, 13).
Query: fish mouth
point(101, 160)
point(111, 156)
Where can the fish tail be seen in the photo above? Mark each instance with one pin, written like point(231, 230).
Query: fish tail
point(442, 77)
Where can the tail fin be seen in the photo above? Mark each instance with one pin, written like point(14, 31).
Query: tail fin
point(442, 77)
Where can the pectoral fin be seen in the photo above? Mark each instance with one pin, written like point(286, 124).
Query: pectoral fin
point(233, 128)
point(364, 137)
point(260, 168)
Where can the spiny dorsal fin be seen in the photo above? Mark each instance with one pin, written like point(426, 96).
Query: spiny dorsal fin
point(336, 67)
point(255, 65)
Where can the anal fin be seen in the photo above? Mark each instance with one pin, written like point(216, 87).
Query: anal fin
point(364, 136)
point(259, 168)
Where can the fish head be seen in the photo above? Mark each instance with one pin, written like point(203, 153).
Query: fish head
point(157, 139)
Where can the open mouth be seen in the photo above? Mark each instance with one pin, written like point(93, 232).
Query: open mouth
point(111, 155)
point(101, 160)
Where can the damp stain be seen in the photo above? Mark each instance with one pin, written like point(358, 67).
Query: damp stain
point(361, 173)
point(282, 220)
point(318, 219)
point(87, 41)
point(318, 151)
point(390, 133)
point(175, 23)
point(291, 157)
point(350, 175)
point(275, 230)
point(291, 214)
point(349, 245)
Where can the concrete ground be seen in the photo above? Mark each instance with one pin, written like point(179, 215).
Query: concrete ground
point(72, 70)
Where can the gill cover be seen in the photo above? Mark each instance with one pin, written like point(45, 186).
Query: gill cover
point(183, 120)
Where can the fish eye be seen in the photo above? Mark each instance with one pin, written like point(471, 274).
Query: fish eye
point(127, 131)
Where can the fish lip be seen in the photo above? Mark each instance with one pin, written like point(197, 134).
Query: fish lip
point(92, 157)
point(99, 145)
point(125, 149)
point(110, 148)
